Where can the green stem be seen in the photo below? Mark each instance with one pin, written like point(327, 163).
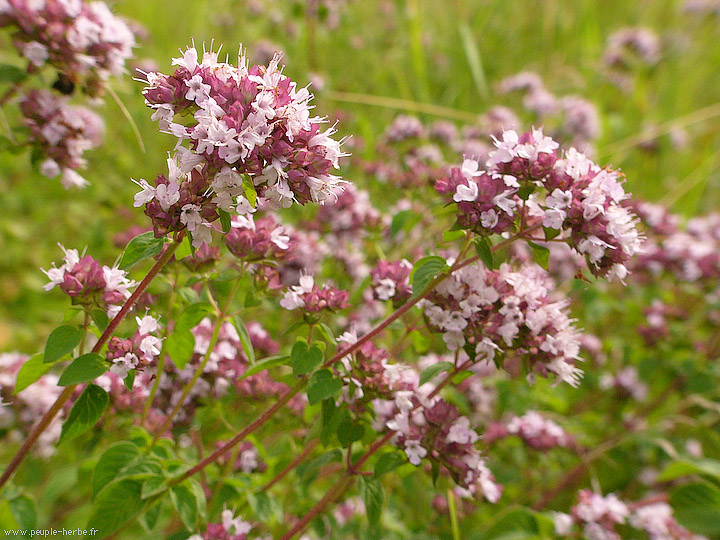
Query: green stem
point(199, 371)
point(455, 527)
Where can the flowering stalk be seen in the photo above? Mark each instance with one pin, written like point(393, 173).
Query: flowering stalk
point(67, 393)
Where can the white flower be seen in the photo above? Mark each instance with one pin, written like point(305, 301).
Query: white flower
point(36, 52)
point(466, 193)
point(414, 452)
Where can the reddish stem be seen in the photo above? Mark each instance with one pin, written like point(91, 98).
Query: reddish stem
point(334, 493)
point(67, 393)
point(294, 463)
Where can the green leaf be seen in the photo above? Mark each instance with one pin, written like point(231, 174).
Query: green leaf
point(525, 191)
point(83, 369)
point(697, 507)
point(266, 363)
point(11, 74)
point(152, 486)
point(389, 462)
point(30, 372)
point(129, 379)
point(420, 343)
point(100, 318)
point(141, 247)
point(184, 249)
point(224, 220)
point(541, 254)
point(432, 371)
point(149, 519)
point(322, 385)
point(87, 410)
point(184, 501)
point(330, 420)
point(484, 251)
point(181, 343)
point(372, 494)
point(425, 270)
point(327, 333)
point(62, 341)
point(349, 431)
point(115, 505)
point(403, 220)
point(261, 505)
point(249, 189)
point(681, 468)
point(550, 233)
point(517, 520)
point(245, 339)
point(112, 462)
point(452, 235)
point(305, 358)
point(23, 510)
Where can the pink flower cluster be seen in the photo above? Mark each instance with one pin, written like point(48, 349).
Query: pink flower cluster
point(599, 517)
point(391, 281)
point(631, 45)
point(82, 40)
point(578, 118)
point(254, 240)
point(691, 254)
point(247, 129)
point(137, 352)
point(348, 218)
point(626, 381)
point(231, 528)
point(89, 283)
point(310, 298)
point(433, 428)
point(579, 197)
point(506, 316)
point(535, 430)
point(61, 132)
point(29, 404)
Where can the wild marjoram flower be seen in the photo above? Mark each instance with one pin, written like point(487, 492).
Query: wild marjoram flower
point(247, 131)
point(90, 284)
point(82, 40)
point(580, 199)
point(62, 132)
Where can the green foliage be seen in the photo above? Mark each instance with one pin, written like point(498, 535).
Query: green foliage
point(30, 372)
point(141, 247)
point(181, 343)
point(85, 413)
point(425, 270)
point(84, 368)
point(305, 358)
point(62, 341)
point(322, 385)
point(244, 339)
